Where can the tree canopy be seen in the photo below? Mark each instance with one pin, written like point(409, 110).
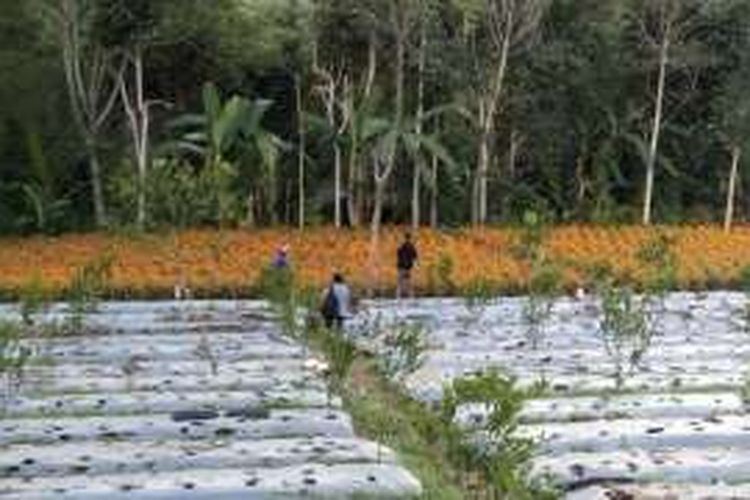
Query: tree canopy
point(235, 112)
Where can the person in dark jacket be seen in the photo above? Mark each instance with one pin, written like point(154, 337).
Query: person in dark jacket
point(406, 258)
point(337, 302)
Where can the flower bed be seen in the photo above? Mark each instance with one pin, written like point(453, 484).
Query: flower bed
point(228, 263)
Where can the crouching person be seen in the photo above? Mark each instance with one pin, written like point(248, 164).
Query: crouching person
point(337, 302)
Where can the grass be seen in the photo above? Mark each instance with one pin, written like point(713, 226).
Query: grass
point(381, 412)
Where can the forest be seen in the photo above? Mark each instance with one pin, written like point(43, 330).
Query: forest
point(148, 114)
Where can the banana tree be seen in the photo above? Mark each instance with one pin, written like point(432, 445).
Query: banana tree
point(230, 138)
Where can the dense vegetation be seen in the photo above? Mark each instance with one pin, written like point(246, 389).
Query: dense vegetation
point(183, 113)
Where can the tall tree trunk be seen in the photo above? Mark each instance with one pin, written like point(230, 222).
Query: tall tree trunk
point(513, 153)
point(300, 153)
point(354, 175)
point(434, 194)
point(337, 184)
point(250, 220)
point(377, 208)
point(92, 87)
point(356, 202)
point(381, 178)
point(418, 129)
point(137, 111)
point(95, 172)
point(731, 192)
point(656, 128)
point(329, 94)
point(488, 115)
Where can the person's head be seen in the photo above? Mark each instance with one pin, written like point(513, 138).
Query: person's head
point(338, 278)
point(407, 236)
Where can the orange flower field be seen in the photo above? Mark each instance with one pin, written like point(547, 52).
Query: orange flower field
point(228, 263)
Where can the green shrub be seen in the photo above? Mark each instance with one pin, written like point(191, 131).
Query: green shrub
point(404, 349)
point(625, 330)
point(440, 275)
point(14, 356)
point(503, 457)
point(33, 299)
point(87, 288)
point(478, 294)
point(658, 257)
point(544, 286)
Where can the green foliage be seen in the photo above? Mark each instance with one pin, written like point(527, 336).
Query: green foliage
point(33, 299)
point(575, 108)
point(441, 275)
point(340, 353)
point(235, 148)
point(14, 356)
point(176, 192)
point(544, 287)
point(533, 231)
point(404, 350)
point(744, 279)
point(89, 284)
point(545, 276)
point(504, 457)
point(478, 294)
point(625, 330)
point(277, 285)
point(744, 283)
point(659, 258)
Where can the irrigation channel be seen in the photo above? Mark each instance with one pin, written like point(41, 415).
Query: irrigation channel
point(207, 400)
point(188, 400)
point(677, 429)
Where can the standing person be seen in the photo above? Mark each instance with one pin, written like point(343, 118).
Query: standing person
point(281, 258)
point(406, 258)
point(337, 300)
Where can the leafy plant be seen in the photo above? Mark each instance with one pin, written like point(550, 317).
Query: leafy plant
point(341, 353)
point(625, 330)
point(14, 356)
point(204, 351)
point(441, 274)
point(503, 456)
point(404, 349)
point(277, 286)
point(545, 277)
point(533, 232)
point(660, 261)
point(478, 294)
point(745, 391)
point(544, 286)
point(33, 299)
point(90, 281)
point(230, 137)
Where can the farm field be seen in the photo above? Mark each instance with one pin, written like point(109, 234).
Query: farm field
point(228, 263)
point(184, 400)
point(163, 398)
point(678, 428)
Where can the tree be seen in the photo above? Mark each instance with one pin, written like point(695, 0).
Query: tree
point(345, 65)
point(731, 105)
point(129, 27)
point(229, 136)
point(492, 29)
point(91, 74)
point(666, 26)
